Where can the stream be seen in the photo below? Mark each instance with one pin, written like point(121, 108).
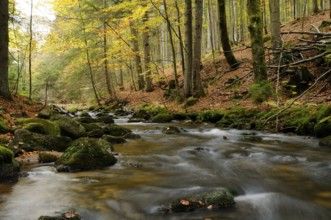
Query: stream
point(280, 177)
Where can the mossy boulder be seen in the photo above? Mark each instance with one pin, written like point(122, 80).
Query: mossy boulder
point(9, 167)
point(140, 116)
point(93, 130)
point(116, 130)
point(46, 157)
point(325, 142)
point(107, 119)
point(69, 215)
point(323, 128)
point(47, 113)
point(3, 126)
point(171, 130)
point(218, 199)
point(163, 118)
point(113, 139)
point(39, 125)
point(71, 128)
point(30, 141)
point(212, 116)
point(86, 154)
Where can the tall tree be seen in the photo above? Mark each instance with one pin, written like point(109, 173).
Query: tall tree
point(4, 39)
point(147, 54)
point(197, 89)
point(256, 32)
point(189, 48)
point(275, 23)
point(315, 6)
point(137, 57)
point(30, 51)
point(230, 58)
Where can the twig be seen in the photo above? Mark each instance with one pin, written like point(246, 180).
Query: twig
point(303, 61)
point(299, 97)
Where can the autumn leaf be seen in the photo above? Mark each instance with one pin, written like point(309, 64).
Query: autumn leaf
point(184, 202)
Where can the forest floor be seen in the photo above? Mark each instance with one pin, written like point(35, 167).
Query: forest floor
point(217, 81)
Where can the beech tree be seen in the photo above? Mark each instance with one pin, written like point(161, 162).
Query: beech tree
point(275, 23)
point(230, 58)
point(256, 32)
point(189, 48)
point(4, 40)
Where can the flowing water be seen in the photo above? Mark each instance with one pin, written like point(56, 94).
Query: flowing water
point(279, 177)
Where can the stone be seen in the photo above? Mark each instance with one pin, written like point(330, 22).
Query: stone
point(45, 157)
point(116, 130)
point(218, 199)
point(171, 130)
point(30, 141)
point(325, 142)
point(162, 118)
point(86, 154)
point(71, 128)
point(39, 125)
point(323, 128)
point(113, 139)
point(9, 167)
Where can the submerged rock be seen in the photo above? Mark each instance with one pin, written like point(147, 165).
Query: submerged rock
point(86, 154)
point(213, 200)
point(69, 215)
point(9, 167)
point(116, 130)
point(171, 130)
point(325, 142)
point(45, 157)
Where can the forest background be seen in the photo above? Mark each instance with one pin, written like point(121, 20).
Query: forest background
point(155, 50)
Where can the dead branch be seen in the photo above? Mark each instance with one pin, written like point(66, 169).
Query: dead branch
point(303, 61)
point(239, 79)
point(307, 32)
point(299, 97)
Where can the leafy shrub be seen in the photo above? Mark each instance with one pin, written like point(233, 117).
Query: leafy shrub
point(261, 91)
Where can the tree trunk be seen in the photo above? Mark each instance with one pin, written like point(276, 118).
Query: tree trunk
point(181, 44)
point(275, 23)
point(87, 52)
point(230, 58)
point(30, 53)
point(105, 57)
point(197, 89)
point(189, 48)
point(330, 7)
point(137, 58)
point(147, 54)
point(315, 6)
point(4, 39)
point(173, 49)
point(256, 31)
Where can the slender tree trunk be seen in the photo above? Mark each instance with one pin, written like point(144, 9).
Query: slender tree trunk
point(275, 23)
point(230, 58)
point(211, 34)
point(294, 9)
point(197, 89)
point(30, 53)
point(4, 39)
point(181, 44)
point(137, 58)
point(173, 49)
point(105, 57)
point(46, 92)
point(88, 59)
point(315, 6)
point(256, 32)
point(330, 7)
point(189, 48)
point(147, 54)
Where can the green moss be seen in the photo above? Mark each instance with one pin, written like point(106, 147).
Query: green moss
point(323, 111)
point(6, 155)
point(261, 91)
point(44, 157)
point(72, 110)
point(153, 110)
point(116, 130)
point(323, 128)
point(3, 126)
point(211, 116)
point(86, 154)
point(190, 102)
point(162, 118)
point(48, 127)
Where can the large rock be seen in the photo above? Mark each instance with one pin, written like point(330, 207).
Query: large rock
point(3, 126)
point(71, 128)
point(9, 167)
point(139, 116)
point(323, 128)
point(116, 130)
point(86, 154)
point(39, 125)
point(219, 199)
point(325, 142)
point(162, 118)
point(30, 141)
point(113, 139)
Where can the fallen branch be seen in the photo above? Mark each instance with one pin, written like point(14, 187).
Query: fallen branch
point(299, 97)
point(306, 32)
point(303, 61)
